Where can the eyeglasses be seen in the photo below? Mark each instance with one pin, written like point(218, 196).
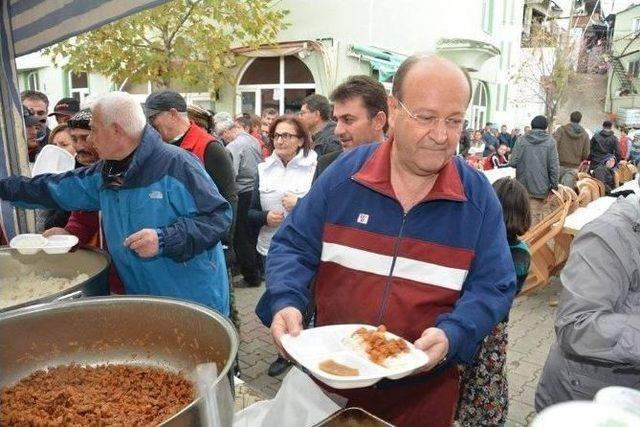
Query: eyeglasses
point(429, 122)
point(285, 136)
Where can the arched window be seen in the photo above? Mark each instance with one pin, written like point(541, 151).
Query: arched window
point(479, 105)
point(33, 81)
point(274, 82)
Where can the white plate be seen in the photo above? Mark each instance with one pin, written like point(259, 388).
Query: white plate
point(53, 159)
point(625, 398)
point(28, 244)
point(584, 414)
point(316, 345)
point(60, 244)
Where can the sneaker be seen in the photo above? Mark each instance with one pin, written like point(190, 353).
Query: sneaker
point(278, 367)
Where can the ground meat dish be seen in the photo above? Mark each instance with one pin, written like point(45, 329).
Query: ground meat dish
point(378, 346)
point(104, 395)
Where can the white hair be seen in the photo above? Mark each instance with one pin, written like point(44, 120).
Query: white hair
point(223, 125)
point(123, 109)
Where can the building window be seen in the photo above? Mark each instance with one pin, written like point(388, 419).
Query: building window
point(634, 68)
point(487, 16)
point(635, 25)
point(275, 82)
point(479, 106)
point(33, 81)
point(78, 85)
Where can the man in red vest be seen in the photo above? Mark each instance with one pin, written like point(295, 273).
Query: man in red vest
point(166, 111)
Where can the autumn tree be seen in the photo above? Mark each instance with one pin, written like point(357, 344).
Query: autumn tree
point(183, 42)
point(548, 67)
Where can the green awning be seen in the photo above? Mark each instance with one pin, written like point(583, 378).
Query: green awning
point(383, 61)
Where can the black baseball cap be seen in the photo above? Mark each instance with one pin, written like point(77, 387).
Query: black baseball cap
point(66, 106)
point(30, 118)
point(164, 100)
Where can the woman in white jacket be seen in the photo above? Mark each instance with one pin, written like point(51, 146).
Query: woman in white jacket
point(282, 179)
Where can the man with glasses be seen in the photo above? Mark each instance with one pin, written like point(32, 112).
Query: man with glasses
point(395, 233)
point(163, 217)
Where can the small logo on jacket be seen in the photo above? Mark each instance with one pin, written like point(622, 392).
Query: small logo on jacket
point(156, 195)
point(363, 218)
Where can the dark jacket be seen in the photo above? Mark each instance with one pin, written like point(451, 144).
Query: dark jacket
point(605, 175)
point(573, 145)
point(506, 138)
point(325, 140)
point(604, 143)
point(489, 141)
point(324, 162)
point(535, 158)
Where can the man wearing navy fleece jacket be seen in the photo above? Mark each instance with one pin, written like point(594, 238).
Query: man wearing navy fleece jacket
point(396, 234)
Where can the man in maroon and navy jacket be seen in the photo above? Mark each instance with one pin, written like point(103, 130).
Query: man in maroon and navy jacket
point(396, 234)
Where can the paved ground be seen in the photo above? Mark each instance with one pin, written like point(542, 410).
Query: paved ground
point(530, 335)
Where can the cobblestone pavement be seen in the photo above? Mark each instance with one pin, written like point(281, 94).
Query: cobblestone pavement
point(530, 336)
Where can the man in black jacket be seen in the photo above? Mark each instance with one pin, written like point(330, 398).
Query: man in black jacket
point(360, 111)
point(315, 113)
point(603, 143)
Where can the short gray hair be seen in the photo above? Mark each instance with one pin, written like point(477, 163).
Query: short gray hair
point(224, 125)
point(123, 109)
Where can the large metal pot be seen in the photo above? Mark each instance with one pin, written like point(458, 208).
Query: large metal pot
point(92, 262)
point(173, 334)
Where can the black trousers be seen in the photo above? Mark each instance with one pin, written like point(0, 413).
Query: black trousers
point(244, 242)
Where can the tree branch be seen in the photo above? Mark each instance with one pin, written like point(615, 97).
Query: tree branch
point(184, 19)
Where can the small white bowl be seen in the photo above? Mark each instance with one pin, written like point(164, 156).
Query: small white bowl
point(60, 244)
point(28, 244)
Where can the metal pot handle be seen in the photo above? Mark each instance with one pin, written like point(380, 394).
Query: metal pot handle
point(72, 296)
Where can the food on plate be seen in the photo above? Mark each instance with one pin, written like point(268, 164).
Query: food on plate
point(18, 290)
point(332, 367)
point(101, 395)
point(377, 346)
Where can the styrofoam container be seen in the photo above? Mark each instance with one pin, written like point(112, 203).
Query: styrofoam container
point(316, 345)
point(625, 398)
point(28, 244)
point(60, 244)
point(53, 159)
point(584, 414)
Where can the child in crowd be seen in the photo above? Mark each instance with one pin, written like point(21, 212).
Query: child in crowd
point(484, 397)
point(499, 159)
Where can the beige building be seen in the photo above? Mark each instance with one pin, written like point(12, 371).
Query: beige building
point(328, 40)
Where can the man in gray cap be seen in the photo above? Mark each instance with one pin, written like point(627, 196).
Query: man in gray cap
point(166, 111)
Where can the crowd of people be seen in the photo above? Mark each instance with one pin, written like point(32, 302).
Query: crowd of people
point(362, 208)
